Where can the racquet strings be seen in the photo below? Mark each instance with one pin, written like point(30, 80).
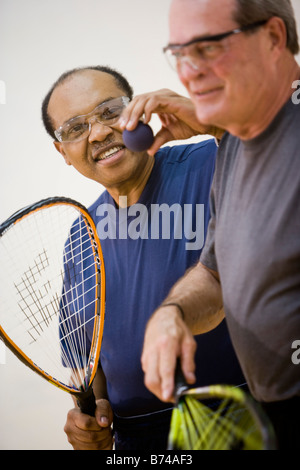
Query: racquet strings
point(224, 425)
point(48, 291)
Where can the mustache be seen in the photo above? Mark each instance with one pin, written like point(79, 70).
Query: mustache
point(99, 147)
point(103, 144)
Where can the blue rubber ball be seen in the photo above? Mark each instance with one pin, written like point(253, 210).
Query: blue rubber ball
point(140, 139)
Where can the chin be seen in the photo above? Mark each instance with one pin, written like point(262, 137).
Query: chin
point(205, 117)
point(211, 115)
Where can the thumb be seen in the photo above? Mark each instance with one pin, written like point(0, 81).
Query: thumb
point(161, 138)
point(104, 413)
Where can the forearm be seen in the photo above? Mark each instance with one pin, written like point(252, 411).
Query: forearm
point(170, 335)
point(199, 295)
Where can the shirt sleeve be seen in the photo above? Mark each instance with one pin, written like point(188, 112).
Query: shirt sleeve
point(208, 256)
point(222, 168)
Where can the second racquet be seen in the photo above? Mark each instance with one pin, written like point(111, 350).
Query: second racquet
point(218, 417)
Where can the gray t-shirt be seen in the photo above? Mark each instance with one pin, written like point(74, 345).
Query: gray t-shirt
point(253, 242)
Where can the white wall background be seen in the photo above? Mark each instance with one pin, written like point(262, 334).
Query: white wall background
point(40, 39)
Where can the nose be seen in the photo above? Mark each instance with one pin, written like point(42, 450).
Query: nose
point(189, 68)
point(99, 131)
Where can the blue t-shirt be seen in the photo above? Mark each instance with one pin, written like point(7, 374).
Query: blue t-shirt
point(147, 248)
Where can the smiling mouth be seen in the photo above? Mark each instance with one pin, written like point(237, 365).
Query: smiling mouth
point(207, 92)
point(109, 153)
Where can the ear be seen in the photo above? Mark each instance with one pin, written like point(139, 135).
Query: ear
point(277, 34)
point(60, 149)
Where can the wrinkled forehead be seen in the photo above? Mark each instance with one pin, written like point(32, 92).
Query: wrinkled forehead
point(189, 19)
point(80, 94)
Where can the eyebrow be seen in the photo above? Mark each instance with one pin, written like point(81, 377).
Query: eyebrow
point(208, 38)
point(217, 37)
point(86, 114)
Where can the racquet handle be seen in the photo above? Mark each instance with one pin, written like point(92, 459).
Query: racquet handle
point(87, 402)
point(180, 382)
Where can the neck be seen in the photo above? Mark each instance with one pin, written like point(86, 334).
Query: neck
point(274, 98)
point(129, 192)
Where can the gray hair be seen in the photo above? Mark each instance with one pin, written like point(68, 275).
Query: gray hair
point(250, 11)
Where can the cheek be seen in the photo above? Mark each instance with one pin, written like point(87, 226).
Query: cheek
point(242, 70)
point(76, 155)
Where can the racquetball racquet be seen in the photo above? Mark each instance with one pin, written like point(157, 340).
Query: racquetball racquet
point(52, 294)
point(218, 417)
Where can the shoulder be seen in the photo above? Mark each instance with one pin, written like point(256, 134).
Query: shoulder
point(102, 199)
point(228, 141)
point(194, 155)
point(181, 152)
point(227, 152)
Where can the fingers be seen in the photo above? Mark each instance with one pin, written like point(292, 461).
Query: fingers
point(159, 370)
point(187, 362)
point(135, 112)
point(84, 433)
point(167, 338)
point(167, 365)
point(168, 362)
point(176, 113)
point(142, 107)
point(162, 137)
point(104, 414)
point(162, 103)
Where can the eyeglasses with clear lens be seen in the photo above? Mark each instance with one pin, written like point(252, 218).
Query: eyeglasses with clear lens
point(79, 128)
point(206, 52)
point(208, 48)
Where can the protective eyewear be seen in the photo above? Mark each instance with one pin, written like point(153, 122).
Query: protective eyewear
point(79, 127)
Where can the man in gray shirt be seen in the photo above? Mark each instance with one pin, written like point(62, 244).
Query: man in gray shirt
point(236, 59)
point(254, 245)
